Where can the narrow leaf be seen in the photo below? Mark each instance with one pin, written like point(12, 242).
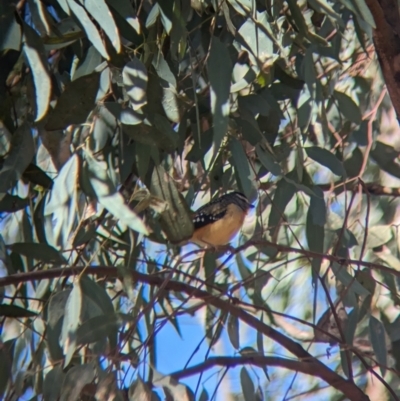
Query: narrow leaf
point(15, 311)
point(109, 197)
point(348, 107)
point(247, 385)
point(75, 103)
point(327, 159)
point(35, 54)
point(72, 316)
point(99, 11)
point(220, 82)
point(378, 339)
point(76, 378)
point(18, 159)
point(89, 27)
point(233, 331)
point(134, 76)
point(43, 252)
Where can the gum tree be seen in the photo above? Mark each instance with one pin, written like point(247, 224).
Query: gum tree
point(118, 117)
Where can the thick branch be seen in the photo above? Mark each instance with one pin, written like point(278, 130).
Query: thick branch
point(387, 45)
point(309, 363)
point(338, 188)
point(255, 360)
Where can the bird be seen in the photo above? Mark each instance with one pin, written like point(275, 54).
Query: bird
point(217, 222)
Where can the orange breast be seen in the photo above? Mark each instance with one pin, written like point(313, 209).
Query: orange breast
point(222, 231)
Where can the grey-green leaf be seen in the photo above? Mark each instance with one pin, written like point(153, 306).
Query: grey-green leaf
point(220, 83)
point(378, 339)
point(15, 311)
point(75, 103)
point(109, 197)
point(268, 161)
point(90, 28)
point(18, 159)
point(43, 252)
point(233, 330)
point(72, 316)
point(52, 384)
point(76, 378)
point(135, 79)
point(99, 11)
point(327, 159)
point(348, 107)
point(35, 54)
point(247, 385)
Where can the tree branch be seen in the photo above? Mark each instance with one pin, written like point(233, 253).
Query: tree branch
point(255, 360)
point(309, 364)
point(387, 45)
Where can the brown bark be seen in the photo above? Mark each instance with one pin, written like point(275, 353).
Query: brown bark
point(386, 36)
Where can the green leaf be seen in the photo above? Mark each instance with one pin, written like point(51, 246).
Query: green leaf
point(348, 280)
point(351, 326)
point(233, 331)
point(52, 384)
point(175, 390)
point(386, 157)
point(153, 15)
point(75, 380)
point(323, 7)
point(37, 60)
point(348, 107)
point(43, 252)
point(283, 194)
point(168, 83)
point(10, 30)
point(125, 9)
point(378, 235)
point(75, 103)
point(327, 159)
point(99, 11)
point(318, 207)
point(377, 336)
point(72, 318)
point(56, 307)
point(37, 176)
point(204, 395)
point(90, 28)
point(15, 311)
point(316, 217)
point(353, 164)
point(176, 221)
point(98, 294)
point(364, 11)
point(135, 79)
point(253, 35)
point(92, 60)
point(139, 390)
point(243, 171)
point(65, 187)
point(18, 159)
point(268, 161)
point(247, 385)
point(98, 328)
point(166, 13)
point(126, 115)
point(220, 83)
point(63, 201)
point(11, 203)
point(109, 197)
point(6, 362)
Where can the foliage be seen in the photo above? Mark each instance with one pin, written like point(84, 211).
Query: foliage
point(116, 118)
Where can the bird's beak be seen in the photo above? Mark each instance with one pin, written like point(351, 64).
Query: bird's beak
point(251, 206)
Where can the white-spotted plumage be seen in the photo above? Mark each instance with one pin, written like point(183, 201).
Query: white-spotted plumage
point(217, 222)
